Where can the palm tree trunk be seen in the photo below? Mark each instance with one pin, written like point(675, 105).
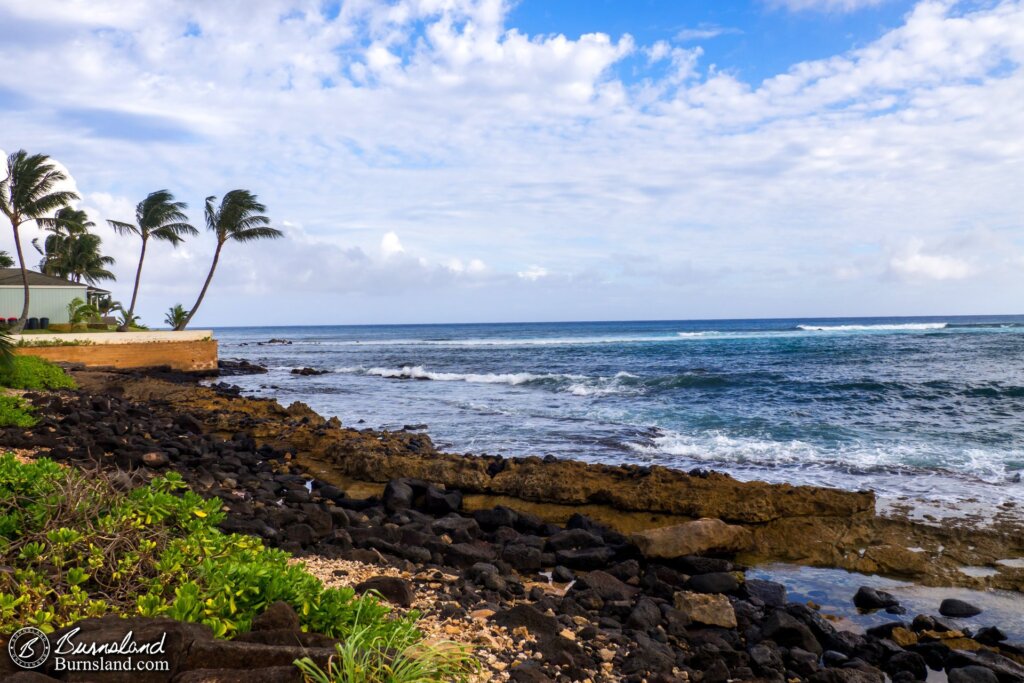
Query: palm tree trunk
point(20, 325)
point(135, 292)
point(213, 266)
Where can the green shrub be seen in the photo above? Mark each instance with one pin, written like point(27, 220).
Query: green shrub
point(15, 412)
point(79, 548)
point(397, 656)
point(32, 373)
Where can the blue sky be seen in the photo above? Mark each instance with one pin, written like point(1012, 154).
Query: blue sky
point(480, 160)
point(754, 40)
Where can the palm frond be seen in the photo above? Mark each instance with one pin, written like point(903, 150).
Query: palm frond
point(122, 228)
point(253, 234)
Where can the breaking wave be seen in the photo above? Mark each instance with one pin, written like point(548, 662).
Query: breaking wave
point(870, 328)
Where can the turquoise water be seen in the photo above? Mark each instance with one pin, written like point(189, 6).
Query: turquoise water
point(926, 407)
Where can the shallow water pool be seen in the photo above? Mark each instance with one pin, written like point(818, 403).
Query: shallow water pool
point(833, 589)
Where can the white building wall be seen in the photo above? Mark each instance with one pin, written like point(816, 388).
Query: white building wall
point(44, 302)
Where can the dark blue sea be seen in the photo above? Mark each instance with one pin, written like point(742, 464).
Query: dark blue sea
point(928, 409)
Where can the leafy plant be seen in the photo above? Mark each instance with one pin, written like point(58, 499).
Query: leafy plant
point(32, 373)
point(176, 315)
point(397, 656)
point(79, 548)
point(126, 320)
point(6, 349)
point(14, 412)
point(80, 312)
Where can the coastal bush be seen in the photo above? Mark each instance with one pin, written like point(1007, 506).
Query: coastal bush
point(14, 412)
point(79, 548)
point(397, 656)
point(35, 374)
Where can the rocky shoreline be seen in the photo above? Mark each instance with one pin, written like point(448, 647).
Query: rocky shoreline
point(599, 573)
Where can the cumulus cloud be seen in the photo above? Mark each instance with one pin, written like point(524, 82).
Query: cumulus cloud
point(390, 245)
point(490, 150)
point(916, 263)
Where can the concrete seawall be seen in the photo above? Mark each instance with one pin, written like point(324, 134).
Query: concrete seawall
point(189, 351)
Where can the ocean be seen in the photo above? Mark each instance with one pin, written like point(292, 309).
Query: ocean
point(916, 409)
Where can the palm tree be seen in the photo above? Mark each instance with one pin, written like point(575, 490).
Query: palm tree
point(239, 218)
point(27, 194)
point(158, 217)
point(175, 315)
point(79, 258)
point(65, 226)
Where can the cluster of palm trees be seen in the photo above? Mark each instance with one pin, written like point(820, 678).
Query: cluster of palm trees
point(28, 193)
point(70, 251)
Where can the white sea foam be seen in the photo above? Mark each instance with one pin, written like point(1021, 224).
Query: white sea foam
point(870, 328)
point(511, 378)
point(577, 385)
point(764, 455)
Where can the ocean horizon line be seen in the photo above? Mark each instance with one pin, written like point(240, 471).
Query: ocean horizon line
point(924, 318)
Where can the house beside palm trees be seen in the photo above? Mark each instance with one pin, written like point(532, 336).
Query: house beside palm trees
point(50, 295)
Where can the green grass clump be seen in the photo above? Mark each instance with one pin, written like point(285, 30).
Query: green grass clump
point(15, 412)
point(35, 374)
point(80, 548)
point(397, 656)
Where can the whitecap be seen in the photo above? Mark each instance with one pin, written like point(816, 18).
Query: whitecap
point(870, 328)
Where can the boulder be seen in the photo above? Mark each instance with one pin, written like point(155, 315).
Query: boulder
point(394, 589)
point(951, 607)
point(606, 586)
point(707, 609)
point(770, 593)
point(397, 495)
point(233, 654)
point(440, 502)
point(869, 598)
point(716, 582)
point(274, 674)
point(277, 616)
point(573, 538)
point(971, 674)
point(177, 639)
point(585, 558)
point(529, 617)
point(787, 630)
point(692, 538)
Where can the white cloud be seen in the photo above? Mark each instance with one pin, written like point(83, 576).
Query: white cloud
point(477, 143)
point(390, 245)
point(533, 273)
point(916, 263)
point(704, 32)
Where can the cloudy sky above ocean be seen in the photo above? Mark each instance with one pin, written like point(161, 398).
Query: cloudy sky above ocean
point(460, 160)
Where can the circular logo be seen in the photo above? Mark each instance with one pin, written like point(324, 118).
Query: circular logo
point(28, 647)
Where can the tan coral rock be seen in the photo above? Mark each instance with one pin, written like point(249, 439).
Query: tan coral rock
point(692, 538)
point(707, 609)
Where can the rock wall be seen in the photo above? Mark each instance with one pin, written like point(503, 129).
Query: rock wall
point(185, 356)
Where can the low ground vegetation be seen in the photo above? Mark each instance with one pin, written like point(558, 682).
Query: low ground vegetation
point(33, 374)
point(80, 548)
